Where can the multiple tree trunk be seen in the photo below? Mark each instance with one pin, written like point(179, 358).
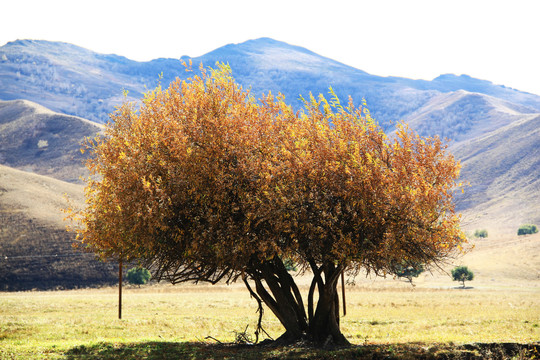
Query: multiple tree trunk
point(277, 289)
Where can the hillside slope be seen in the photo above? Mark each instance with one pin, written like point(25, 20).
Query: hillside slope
point(503, 169)
point(73, 80)
point(35, 249)
point(462, 115)
point(35, 139)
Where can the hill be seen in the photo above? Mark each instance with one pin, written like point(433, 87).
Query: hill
point(35, 249)
point(77, 81)
point(503, 168)
point(73, 80)
point(265, 64)
point(462, 115)
point(35, 139)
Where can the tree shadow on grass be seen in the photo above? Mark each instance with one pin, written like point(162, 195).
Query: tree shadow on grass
point(198, 351)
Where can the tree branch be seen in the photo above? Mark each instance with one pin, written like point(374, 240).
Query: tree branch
point(260, 310)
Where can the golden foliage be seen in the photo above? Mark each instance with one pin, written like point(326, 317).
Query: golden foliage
point(204, 181)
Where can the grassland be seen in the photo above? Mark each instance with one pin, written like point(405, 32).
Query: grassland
point(177, 322)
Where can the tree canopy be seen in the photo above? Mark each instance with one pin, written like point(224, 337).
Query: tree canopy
point(202, 182)
point(409, 271)
point(462, 273)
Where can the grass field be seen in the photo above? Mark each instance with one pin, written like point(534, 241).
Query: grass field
point(174, 322)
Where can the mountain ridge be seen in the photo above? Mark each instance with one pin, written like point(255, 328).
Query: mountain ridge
point(462, 115)
point(90, 84)
point(266, 65)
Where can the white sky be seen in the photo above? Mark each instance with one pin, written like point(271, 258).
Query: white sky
point(492, 40)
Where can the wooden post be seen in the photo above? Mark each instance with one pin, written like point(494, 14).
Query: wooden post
point(120, 289)
point(343, 293)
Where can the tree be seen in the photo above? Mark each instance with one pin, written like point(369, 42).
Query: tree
point(409, 271)
point(481, 233)
point(138, 276)
point(527, 229)
point(204, 183)
point(462, 273)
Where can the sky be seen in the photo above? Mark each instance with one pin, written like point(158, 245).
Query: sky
point(420, 39)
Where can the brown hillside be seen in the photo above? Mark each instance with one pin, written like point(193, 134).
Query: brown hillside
point(498, 144)
point(505, 260)
point(35, 249)
point(503, 169)
point(463, 115)
point(35, 139)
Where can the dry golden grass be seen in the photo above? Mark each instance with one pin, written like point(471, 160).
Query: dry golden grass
point(509, 260)
point(35, 249)
point(50, 324)
point(38, 197)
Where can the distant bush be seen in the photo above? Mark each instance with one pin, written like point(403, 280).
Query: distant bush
point(138, 276)
point(527, 229)
point(462, 273)
point(481, 233)
point(409, 271)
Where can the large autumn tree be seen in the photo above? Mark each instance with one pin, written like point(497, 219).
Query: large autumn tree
point(201, 182)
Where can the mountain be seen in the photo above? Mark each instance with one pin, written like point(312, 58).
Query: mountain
point(266, 64)
point(471, 112)
point(76, 81)
point(35, 139)
point(449, 82)
point(73, 80)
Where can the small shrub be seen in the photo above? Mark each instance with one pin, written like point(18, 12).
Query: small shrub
point(462, 273)
point(481, 233)
point(409, 271)
point(138, 276)
point(527, 229)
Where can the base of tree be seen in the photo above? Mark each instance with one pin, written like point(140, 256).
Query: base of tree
point(306, 341)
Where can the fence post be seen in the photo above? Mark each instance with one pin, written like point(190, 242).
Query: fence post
point(120, 289)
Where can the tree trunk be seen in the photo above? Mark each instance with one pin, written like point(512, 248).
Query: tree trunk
point(324, 326)
point(320, 325)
